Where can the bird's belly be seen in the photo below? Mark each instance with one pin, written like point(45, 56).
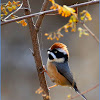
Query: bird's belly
point(55, 76)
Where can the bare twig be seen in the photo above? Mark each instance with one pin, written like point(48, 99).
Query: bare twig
point(23, 8)
point(13, 12)
point(85, 4)
point(85, 91)
point(49, 12)
point(40, 17)
point(52, 14)
point(93, 35)
point(36, 49)
point(31, 51)
point(28, 16)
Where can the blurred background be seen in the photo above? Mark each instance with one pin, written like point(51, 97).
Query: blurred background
point(19, 74)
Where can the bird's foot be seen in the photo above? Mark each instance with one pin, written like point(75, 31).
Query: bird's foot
point(52, 86)
point(43, 69)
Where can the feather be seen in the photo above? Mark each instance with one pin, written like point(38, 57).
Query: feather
point(76, 89)
point(64, 70)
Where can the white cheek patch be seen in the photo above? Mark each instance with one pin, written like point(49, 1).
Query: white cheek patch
point(52, 54)
point(59, 60)
point(61, 50)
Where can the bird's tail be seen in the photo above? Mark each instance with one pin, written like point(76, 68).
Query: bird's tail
point(76, 89)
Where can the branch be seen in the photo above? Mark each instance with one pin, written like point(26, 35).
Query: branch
point(13, 12)
point(35, 44)
point(85, 4)
point(85, 91)
point(27, 16)
point(49, 12)
point(40, 18)
point(93, 35)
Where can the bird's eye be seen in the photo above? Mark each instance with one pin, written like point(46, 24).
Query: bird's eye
point(55, 51)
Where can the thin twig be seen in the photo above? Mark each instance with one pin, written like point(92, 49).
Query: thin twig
point(40, 17)
point(27, 16)
point(14, 12)
point(84, 4)
point(85, 91)
point(23, 8)
point(93, 35)
point(52, 14)
point(36, 47)
point(49, 12)
point(31, 51)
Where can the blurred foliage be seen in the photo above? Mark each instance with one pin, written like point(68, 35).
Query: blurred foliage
point(9, 7)
point(41, 91)
point(82, 32)
point(66, 11)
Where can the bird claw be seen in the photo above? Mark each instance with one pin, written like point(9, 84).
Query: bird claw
point(48, 88)
point(43, 69)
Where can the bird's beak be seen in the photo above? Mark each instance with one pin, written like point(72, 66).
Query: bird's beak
point(48, 51)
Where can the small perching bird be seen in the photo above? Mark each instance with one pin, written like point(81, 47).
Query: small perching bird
point(58, 67)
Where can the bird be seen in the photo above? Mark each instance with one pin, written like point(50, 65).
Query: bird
point(58, 67)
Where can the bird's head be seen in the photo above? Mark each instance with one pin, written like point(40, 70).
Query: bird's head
point(58, 52)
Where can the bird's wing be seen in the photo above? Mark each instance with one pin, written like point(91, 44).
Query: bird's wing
point(64, 70)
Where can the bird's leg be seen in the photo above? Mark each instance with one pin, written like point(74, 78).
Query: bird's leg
point(52, 86)
point(44, 70)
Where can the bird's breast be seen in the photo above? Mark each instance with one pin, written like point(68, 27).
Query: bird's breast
point(55, 76)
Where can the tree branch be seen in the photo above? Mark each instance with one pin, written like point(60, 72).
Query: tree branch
point(13, 12)
point(49, 12)
point(93, 35)
point(36, 49)
point(85, 4)
point(85, 91)
point(40, 18)
point(27, 16)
